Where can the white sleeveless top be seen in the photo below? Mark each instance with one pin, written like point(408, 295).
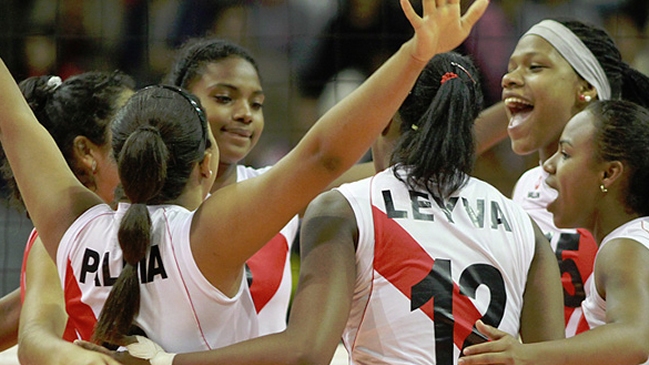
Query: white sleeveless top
point(180, 309)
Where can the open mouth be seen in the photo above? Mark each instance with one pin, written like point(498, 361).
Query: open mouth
point(519, 110)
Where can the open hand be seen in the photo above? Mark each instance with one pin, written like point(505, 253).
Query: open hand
point(441, 28)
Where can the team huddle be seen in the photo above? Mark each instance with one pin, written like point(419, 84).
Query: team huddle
point(144, 249)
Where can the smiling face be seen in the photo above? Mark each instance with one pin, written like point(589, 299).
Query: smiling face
point(540, 91)
point(231, 94)
point(576, 174)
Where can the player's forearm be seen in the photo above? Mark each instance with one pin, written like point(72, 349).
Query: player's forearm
point(9, 315)
point(491, 127)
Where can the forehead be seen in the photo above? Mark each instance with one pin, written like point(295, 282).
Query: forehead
point(232, 70)
point(535, 45)
point(580, 129)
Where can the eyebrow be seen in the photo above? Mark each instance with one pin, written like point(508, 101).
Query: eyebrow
point(564, 141)
point(232, 87)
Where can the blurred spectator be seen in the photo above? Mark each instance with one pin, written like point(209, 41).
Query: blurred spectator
point(355, 41)
point(65, 37)
point(362, 35)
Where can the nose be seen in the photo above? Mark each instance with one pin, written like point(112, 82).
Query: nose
point(243, 112)
point(510, 79)
point(550, 165)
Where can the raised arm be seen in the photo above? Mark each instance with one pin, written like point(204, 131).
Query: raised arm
point(52, 194)
point(332, 145)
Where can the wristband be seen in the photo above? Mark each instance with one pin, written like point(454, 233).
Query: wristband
point(149, 350)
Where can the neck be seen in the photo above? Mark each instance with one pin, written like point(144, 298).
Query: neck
point(189, 200)
point(226, 175)
point(610, 216)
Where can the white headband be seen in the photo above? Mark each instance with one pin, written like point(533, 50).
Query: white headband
point(575, 52)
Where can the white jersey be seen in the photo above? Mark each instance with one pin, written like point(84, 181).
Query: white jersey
point(179, 309)
point(594, 307)
point(575, 249)
point(425, 274)
point(269, 271)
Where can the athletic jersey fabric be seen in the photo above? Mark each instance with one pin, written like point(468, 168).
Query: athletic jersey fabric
point(269, 271)
point(594, 307)
point(425, 274)
point(180, 309)
point(575, 249)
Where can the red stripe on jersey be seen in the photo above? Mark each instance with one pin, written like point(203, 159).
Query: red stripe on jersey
point(23, 280)
point(582, 325)
point(404, 263)
point(267, 269)
point(82, 320)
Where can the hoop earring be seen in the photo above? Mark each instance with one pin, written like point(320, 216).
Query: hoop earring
point(603, 188)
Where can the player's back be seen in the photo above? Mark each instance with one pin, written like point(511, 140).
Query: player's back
point(425, 273)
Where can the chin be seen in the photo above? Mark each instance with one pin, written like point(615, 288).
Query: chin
point(521, 149)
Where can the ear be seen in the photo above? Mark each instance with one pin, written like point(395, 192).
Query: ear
point(82, 150)
point(205, 166)
point(612, 173)
point(587, 93)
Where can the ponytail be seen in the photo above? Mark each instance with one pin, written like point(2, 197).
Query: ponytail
point(143, 170)
point(436, 147)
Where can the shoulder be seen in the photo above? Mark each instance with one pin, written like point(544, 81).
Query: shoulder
point(331, 202)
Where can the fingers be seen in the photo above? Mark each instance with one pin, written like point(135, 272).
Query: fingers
point(473, 14)
point(410, 13)
point(492, 332)
point(491, 359)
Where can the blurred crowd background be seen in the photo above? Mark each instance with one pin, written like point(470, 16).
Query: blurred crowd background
point(311, 53)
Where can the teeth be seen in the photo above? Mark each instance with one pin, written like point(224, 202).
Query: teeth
point(513, 100)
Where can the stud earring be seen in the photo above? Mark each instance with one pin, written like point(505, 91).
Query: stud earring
point(586, 98)
point(603, 188)
point(94, 166)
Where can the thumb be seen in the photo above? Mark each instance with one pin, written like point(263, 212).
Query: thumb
point(492, 332)
point(476, 10)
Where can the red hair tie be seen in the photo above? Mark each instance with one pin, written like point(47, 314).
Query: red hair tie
point(448, 76)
